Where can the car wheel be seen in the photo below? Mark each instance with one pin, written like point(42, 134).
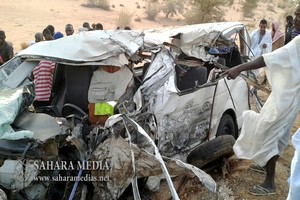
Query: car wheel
point(212, 150)
point(227, 126)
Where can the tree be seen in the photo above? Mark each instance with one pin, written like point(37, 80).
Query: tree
point(203, 11)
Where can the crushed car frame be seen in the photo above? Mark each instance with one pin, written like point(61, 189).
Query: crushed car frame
point(175, 100)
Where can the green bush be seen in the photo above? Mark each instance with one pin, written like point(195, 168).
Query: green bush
point(152, 10)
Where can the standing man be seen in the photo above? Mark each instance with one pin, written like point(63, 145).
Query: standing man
point(99, 26)
point(265, 135)
point(43, 79)
point(288, 28)
point(296, 26)
point(6, 50)
point(69, 29)
point(51, 29)
point(47, 34)
point(261, 40)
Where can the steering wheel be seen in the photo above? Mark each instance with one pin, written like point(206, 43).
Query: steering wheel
point(78, 112)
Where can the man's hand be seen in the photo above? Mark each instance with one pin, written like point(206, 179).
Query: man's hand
point(232, 73)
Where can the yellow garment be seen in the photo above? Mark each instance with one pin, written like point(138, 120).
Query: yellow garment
point(104, 108)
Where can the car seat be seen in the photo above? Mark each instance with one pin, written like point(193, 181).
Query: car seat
point(77, 85)
point(192, 77)
point(233, 58)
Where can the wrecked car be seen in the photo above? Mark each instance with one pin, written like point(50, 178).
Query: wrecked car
point(190, 102)
point(167, 99)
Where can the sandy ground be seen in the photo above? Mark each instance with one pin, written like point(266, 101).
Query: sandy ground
point(21, 19)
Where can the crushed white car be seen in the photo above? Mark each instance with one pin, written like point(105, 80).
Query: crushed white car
point(175, 100)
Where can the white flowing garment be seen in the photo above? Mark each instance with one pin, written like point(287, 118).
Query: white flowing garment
point(256, 45)
point(294, 180)
point(267, 133)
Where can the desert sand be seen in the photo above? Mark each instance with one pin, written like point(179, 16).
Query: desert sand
point(21, 19)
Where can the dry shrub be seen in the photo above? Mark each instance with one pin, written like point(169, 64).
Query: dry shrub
point(251, 26)
point(248, 14)
point(248, 7)
point(137, 19)
point(282, 5)
point(121, 5)
point(271, 8)
point(138, 6)
point(152, 10)
point(24, 45)
point(124, 18)
point(172, 7)
point(103, 4)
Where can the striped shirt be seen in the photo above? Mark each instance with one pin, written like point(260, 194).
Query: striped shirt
point(43, 78)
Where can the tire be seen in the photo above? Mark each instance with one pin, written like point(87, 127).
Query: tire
point(212, 150)
point(227, 126)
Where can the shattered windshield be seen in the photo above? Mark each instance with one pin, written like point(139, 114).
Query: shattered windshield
point(7, 69)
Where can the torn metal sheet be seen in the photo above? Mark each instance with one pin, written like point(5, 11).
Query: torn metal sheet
point(10, 104)
point(182, 125)
point(117, 151)
point(193, 39)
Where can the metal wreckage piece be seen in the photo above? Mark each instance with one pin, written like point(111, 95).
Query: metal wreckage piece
point(131, 155)
point(129, 161)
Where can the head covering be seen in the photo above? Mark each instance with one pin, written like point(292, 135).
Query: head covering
point(58, 35)
point(277, 32)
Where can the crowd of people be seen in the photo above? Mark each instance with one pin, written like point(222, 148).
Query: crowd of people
point(49, 33)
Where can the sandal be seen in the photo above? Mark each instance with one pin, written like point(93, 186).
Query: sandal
point(259, 190)
point(257, 168)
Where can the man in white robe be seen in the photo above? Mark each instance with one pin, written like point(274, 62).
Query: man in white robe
point(261, 42)
point(265, 135)
point(294, 180)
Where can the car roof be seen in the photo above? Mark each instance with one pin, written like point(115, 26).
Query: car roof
point(191, 34)
point(88, 47)
point(194, 40)
point(115, 47)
